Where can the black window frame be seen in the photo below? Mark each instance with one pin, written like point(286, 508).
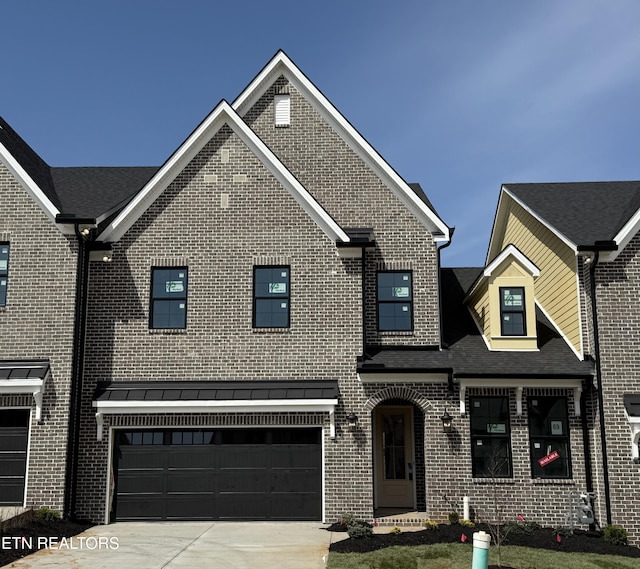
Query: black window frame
point(510, 310)
point(271, 297)
point(556, 410)
point(180, 296)
point(382, 300)
point(490, 436)
point(4, 273)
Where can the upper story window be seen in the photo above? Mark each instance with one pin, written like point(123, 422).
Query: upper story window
point(512, 311)
point(271, 297)
point(549, 437)
point(490, 437)
point(282, 110)
point(168, 297)
point(4, 272)
point(395, 301)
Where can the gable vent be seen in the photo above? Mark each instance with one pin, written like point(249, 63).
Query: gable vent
point(282, 106)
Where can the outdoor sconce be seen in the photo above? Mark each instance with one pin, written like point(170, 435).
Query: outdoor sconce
point(352, 420)
point(447, 421)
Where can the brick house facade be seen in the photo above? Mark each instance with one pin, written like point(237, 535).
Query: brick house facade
point(264, 331)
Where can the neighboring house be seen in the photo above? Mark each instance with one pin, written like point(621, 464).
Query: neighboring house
point(584, 239)
point(260, 329)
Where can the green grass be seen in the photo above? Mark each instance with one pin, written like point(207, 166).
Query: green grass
point(459, 556)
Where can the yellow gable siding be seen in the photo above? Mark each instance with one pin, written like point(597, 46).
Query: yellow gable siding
point(556, 288)
point(479, 304)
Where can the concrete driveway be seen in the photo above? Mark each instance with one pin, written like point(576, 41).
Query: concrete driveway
point(185, 545)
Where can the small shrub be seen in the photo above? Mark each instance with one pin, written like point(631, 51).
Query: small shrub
point(615, 535)
point(467, 524)
point(454, 517)
point(395, 530)
point(430, 524)
point(347, 519)
point(47, 515)
point(360, 529)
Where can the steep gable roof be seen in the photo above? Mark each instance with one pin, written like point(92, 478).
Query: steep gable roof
point(281, 65)
point(29, 169)
point(583, 213)
point(222, 115)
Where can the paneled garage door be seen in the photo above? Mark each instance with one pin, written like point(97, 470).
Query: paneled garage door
point(14, 436)
point(218, 474)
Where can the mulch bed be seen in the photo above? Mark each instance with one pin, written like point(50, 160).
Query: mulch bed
point(27, 527)
point(544, 538)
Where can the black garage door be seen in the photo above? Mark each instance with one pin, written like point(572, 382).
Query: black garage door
point(218, 474)
point(14, 435)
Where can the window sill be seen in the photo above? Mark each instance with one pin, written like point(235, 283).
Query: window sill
point(168, 331)
point(505, 481)
point(395, 333)
point(271, 330)
point(553, 482)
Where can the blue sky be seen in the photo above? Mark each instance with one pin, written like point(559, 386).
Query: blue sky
point(459, 95)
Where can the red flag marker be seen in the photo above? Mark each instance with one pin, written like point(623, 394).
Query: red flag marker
point(558, 538)
point(520, 518)
point(463, 538)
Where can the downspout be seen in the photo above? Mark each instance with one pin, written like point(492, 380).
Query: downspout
point(596, 348)
point(73, 439)
point(364, 303)
point(588, 465)
point(439, 249)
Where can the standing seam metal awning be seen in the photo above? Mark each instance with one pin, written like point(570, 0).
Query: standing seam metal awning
point(28, 376)
point(214, 397)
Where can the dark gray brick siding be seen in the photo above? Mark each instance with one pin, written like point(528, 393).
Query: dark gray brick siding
point(260, 223)
point(617, 286)
point(37, 323)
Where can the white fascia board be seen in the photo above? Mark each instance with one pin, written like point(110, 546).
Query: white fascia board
point(550, 227)
point(282, 65)
point(513, 251)
point(215, 406)
point(21, 385)
point(27, 182)
point(519, 382)
point(221, 115)
point(626, 234)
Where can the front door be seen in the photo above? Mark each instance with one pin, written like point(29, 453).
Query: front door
point(394, 461)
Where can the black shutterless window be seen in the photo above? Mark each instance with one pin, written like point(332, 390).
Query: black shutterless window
point(549, 437)
point(490, 437)
point(395, 301)
point(271, 297)
point(4, 272)
point(512, 311)
point(168, 297)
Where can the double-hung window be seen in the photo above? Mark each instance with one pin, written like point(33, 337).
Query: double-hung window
point(4, 272)
point(395, 301)
point(271, 296)
point(168, 297)
point(549, 437)
point(512, 311)
point(490, 437)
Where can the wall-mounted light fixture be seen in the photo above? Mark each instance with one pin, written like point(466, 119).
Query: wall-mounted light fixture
point(447, 422)
point(352, 420)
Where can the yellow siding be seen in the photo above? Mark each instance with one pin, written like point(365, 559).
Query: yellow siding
point(556, 288)
point(479, 304)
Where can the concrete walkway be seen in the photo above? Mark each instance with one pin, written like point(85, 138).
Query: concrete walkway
point(186, 545)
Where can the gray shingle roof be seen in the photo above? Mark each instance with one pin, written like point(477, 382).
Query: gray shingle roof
point(95, 191)
point(584, 212)
point(87, 192)
point(466, 353)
